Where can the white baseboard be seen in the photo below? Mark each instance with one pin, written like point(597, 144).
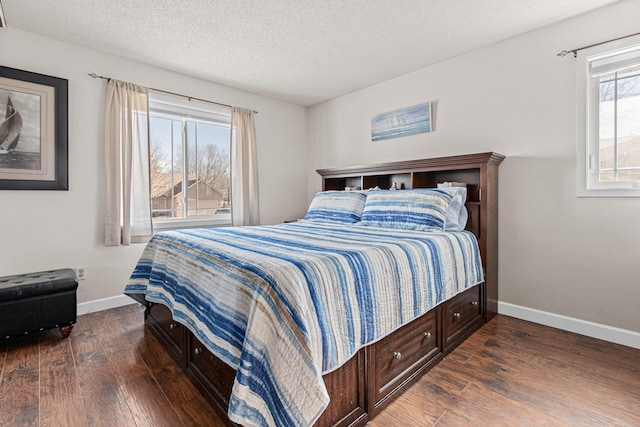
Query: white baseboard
point(582, 327)
point(104, 304)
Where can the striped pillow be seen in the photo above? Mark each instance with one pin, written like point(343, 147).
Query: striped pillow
point(344, 207)
point(422, 209)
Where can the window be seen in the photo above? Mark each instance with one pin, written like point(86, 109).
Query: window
point(609, 119)
point(189, 159)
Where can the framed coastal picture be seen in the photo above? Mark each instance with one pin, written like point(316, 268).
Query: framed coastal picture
point(403, 122)
point(33, 131)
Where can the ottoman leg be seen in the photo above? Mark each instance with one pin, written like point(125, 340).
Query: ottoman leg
point(66, 330)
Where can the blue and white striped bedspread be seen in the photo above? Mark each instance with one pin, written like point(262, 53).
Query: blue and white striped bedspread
point(284, 304)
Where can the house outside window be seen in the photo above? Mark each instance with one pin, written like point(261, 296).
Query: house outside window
point(189, 162)
point(609, 119)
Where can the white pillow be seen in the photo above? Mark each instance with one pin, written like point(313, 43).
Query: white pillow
point(456, 216)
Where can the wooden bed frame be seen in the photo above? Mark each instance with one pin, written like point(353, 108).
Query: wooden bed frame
point(378, 373)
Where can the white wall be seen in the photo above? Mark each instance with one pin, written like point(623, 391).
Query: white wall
point(516, 98)
point(576, 257)
point(42, 230)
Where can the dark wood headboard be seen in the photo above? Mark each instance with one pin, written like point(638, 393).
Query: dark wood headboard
point(480, 173)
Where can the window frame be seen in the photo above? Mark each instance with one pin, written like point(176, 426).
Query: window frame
point(587, 113)
point(180, 108)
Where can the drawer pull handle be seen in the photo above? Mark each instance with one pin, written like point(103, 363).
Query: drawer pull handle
point(474, 303)
point(427, 335)
point(456, 315)
point(397, 355)
point(197, 350)
point(172, 326)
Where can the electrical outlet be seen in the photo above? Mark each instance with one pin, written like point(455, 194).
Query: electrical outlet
point(81, 273)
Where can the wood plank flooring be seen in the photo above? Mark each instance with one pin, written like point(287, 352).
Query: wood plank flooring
point(509, 373)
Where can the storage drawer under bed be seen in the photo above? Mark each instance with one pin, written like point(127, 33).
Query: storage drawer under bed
point(462, 315)
point(172, 333)
point(401, 356)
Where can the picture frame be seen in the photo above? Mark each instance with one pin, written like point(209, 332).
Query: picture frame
point(33, 131)
point(403, 122)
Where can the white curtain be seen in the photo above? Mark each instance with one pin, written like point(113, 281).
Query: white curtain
point(128, 216)
point(244, 168)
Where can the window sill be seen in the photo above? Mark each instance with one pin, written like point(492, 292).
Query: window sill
point(207, 222)
point(610, 192)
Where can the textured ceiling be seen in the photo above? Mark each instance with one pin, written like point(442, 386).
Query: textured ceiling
point(302, 51)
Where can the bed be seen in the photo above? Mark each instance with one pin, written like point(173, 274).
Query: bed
point(325, 320)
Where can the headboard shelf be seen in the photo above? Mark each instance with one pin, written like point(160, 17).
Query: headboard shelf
point(479, 171)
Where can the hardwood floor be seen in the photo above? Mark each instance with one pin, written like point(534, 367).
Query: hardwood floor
point(510, 372)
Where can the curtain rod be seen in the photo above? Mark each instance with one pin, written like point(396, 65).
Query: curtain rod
point(96, 76)
point(575, 51)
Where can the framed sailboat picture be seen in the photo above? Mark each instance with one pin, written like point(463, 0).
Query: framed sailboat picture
point(403, 122)
point(33, 131)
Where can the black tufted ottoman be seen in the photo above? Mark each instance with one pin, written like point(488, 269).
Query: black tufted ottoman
point(37, 301)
